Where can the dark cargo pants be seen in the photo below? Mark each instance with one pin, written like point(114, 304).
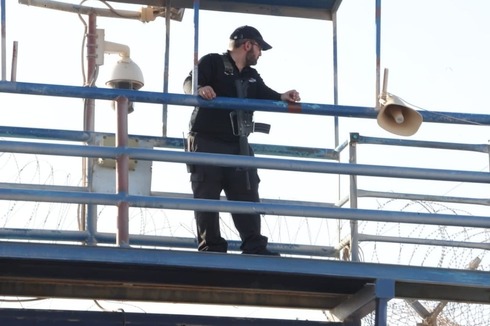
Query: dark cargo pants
point(207, 183)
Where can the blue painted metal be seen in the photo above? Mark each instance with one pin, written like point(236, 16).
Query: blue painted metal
point(312, 9)
point(482, 148)
point(234, 160)
point(424, 197)
point(43, 235)
point(226, 103)
point(53, 134)
point(311, 4)
point(155, 241)
point(166, 142)
point(27, 317)
point(314, 4)
point(408, 278)
point(385, 291)
point(426, 242)
point(246, 207)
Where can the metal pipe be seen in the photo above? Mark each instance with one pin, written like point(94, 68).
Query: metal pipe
point(89, 119)
point(166, 142)
point(78, 9)
point(145, 14)
point(166, 67)
point(423, 197)
point(378, 52)
point(39, 133)
point(425, 241)
point(195, 75)
point(246, 207)
point(15, 51)
point(4, 40)
point(354, 227)
point(88, 214)
point(122, 172)
point(335, 75)
point(483, 148)
point(227, 103)
point(242, 161)
point(488, 151)
point(336, 98)
point(155, 241)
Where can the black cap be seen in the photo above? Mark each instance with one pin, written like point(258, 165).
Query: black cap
point(248, 32)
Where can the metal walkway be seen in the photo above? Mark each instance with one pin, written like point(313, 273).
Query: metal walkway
point(348, 289)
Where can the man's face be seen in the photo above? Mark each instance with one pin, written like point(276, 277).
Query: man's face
point(253, 53)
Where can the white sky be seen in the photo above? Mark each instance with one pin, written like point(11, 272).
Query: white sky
point(437, 52)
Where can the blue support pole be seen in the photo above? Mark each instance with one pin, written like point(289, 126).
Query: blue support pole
point(385, 291)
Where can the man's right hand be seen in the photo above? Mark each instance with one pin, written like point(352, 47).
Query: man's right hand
point(206, 92)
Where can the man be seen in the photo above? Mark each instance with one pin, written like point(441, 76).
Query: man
point(216, 131)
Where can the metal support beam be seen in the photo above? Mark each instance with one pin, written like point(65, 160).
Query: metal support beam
point(28, 317)
point(372, 297)
point(54, 270)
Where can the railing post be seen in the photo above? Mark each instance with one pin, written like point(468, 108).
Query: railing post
point(4, 39)
point(354, 240)
point(122, 172)
point(488, 152)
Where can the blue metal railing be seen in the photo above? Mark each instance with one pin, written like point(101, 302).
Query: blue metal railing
point(226, 103)
point(74, 195)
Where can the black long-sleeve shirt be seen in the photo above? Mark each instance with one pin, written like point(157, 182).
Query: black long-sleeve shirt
point(212, 72)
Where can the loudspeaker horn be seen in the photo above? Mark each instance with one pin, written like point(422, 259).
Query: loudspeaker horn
point(396, 116)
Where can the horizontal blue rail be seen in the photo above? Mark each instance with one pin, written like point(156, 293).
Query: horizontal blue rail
point(236, 160)
point(482, 148)
point(226, 103)
point(245, 207)
point(167, 142)
point(155, 241)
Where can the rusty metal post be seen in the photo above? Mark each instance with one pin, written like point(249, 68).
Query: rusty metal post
point(122, 172)
point(88, 213)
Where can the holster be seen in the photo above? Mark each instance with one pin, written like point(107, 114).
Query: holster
point(187, 147)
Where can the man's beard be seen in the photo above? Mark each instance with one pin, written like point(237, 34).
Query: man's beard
point(251, 60)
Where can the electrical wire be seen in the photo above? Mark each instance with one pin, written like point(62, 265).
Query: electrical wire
point(449, 117)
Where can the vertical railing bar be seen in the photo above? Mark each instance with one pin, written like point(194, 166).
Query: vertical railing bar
point(354, 241)
point(378, 51)
point(166, 66)
point(196, 46)
point(4, 40)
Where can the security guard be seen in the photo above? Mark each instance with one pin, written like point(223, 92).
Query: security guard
point(219, 131)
